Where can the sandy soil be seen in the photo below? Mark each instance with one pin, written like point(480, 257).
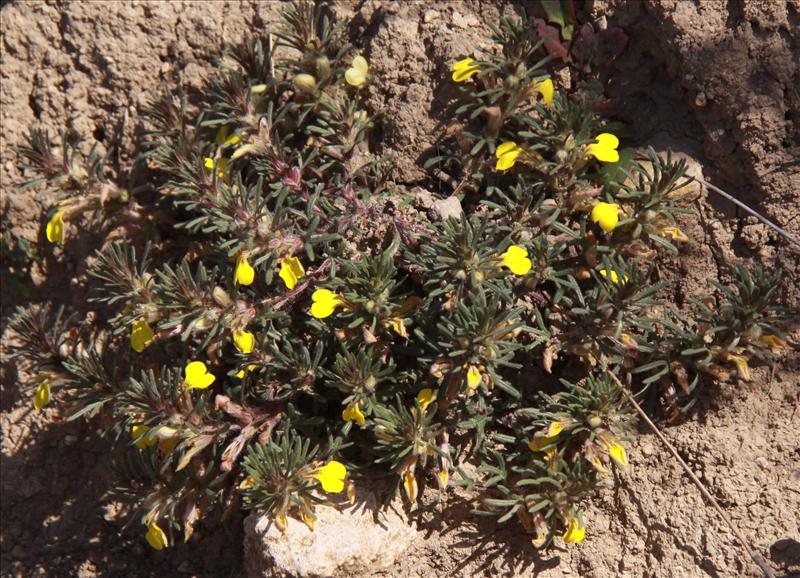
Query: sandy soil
point(717, 80)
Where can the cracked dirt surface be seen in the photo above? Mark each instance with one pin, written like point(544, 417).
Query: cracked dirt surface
point(718, 80)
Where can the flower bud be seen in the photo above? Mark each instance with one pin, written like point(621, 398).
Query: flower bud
point(221, 297)
point(595, 421)
point(305, 83)
point(511, 82)
point(323, 68)
point(461, 275)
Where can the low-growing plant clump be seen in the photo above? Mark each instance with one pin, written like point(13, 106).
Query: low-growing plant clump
point(276, 325)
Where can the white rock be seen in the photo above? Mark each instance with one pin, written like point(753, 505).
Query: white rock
point(445, 208)
point(353, 541)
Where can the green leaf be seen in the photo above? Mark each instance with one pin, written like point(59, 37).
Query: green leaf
point(558, 13)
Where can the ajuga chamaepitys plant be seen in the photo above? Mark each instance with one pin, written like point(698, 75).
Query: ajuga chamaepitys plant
point(272, 334)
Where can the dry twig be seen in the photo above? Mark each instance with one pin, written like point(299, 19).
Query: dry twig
point(755, 556)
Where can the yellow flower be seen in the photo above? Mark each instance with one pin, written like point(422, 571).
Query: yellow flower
point(291, 271)
point(614, 276)
point(555, 428)
point(141, 335)
point(507, 154)
point(139, 434)
point(332, 476)
point(244, 341)
point(618, 455)
point(539, 443)
point(324, 303)
point(353, 413)
point(356, 75)
point(516, 259)
point(55, 228)
point(464, 69)
point(674, 232)
point(168, 438)
point(473, 378)
point(604, 149)
point(773, 342)
point(410, 486)
point(606, 215)
point(442, 477)
point(42, 396)
point(244, 274)
point(741, 365)
point(197, 376)
point(399, 326)
point(221, 165)
point(575, 532)
point(222, 138)
point(156, 537)
point(247, 483)
point(425, 397)
point(240, 373)
point(546, 89)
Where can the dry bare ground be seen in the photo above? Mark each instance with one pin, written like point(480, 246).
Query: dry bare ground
point(719, 80)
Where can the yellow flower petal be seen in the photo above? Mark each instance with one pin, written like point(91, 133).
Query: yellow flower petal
point(614, 276)
point(197, 376)
point(139, 434)
point(575, 532)
point(546, 89)
point(141, 335)
point(516, 259)
point(464, 69)
point(324, 302)
point(773, 342)
point(42, 395)
point(208, 163)
point(618, 455)
point(425, 397)
point(674, 233)
point(291, 271)
point(555, 428)
point(505, 148)
point(741, 366)
point(356, 75)
point(244, 274)
point(473, 378)
point(539, 443)
point(604, 148)
point(410, 486)
point(55, 228)
point(355, 78)
point(606, 215)
point(360, 63)
point(156, 537)
point(332, 476)
point(353, 413)
point(507, 154)
point(247, 483)
point(244, 341)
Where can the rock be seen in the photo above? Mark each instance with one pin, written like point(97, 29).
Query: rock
point(430, 15)
point(353, 541)
point(446, 208)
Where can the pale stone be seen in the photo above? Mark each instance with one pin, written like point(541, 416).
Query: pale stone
point(446, 208)
point(351, 541)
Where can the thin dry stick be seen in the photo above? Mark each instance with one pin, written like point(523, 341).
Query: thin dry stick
point(739, 203)
point(755, 556)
